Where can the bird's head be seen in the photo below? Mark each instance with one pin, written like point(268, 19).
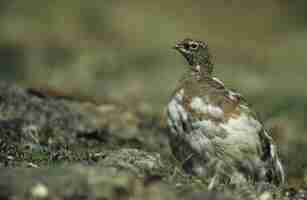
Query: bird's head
point(196, 53)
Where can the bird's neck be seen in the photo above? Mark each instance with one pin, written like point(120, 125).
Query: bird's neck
point(202, 69)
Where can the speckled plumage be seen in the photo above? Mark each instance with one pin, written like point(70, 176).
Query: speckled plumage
point(214, 133)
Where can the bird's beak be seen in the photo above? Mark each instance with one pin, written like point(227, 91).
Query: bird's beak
point(177, 46)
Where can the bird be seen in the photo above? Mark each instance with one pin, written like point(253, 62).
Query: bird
point(214, 132)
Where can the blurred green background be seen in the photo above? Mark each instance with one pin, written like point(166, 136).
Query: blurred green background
point(122, 50)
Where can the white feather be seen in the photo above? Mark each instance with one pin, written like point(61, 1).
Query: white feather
point(242, 124)
point(200, 106)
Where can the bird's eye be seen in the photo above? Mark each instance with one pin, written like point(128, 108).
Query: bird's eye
point(186, 46)
point(194, 46)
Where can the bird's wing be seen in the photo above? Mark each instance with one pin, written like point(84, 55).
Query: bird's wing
point(209, 98)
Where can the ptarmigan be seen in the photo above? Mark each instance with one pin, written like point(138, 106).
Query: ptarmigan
point(213, 131)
